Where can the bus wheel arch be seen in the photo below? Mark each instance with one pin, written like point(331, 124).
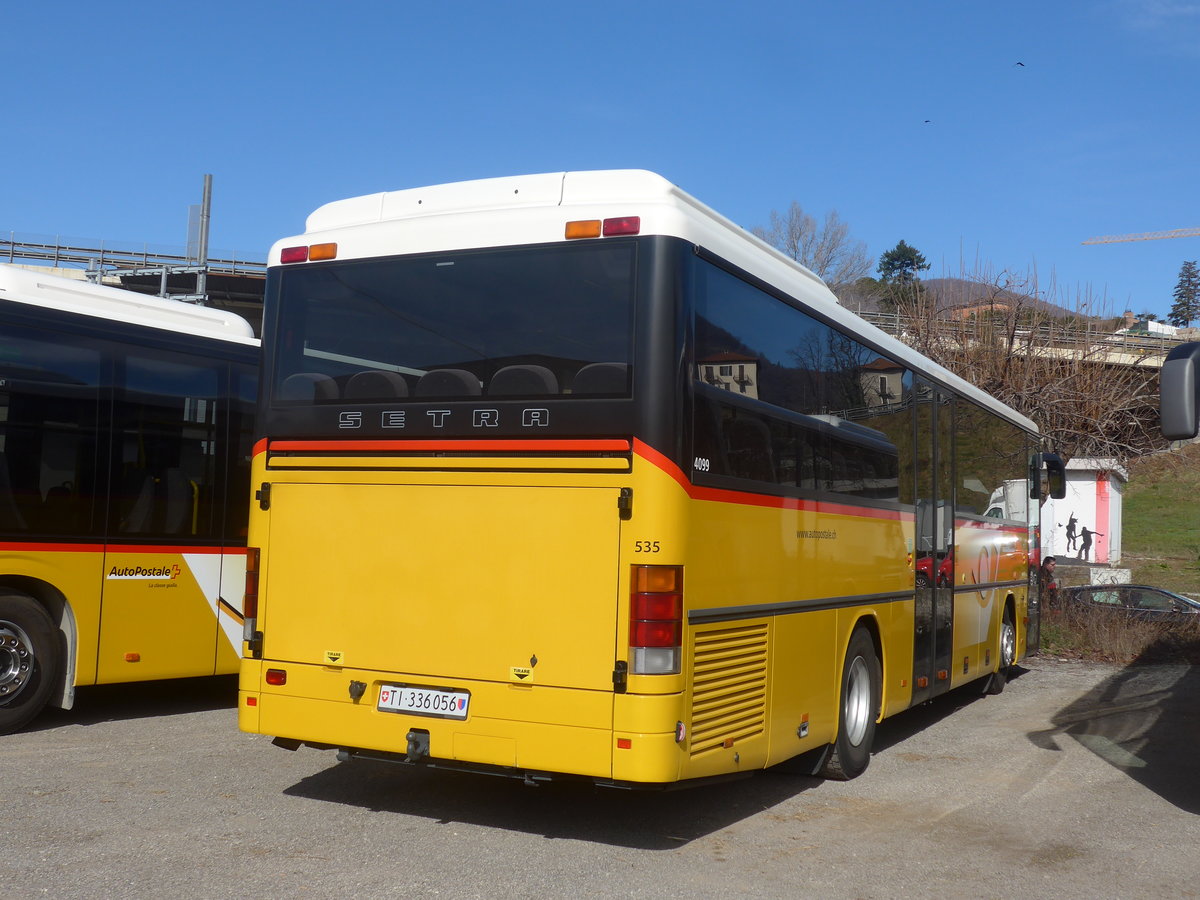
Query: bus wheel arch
point(1007, 650)
point(860, 700)
point(56, 605)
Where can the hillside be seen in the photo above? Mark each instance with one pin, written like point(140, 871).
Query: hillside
point(948, 293)
point(1161, 536)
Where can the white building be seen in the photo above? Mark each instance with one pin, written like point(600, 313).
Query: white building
point(1086, 524)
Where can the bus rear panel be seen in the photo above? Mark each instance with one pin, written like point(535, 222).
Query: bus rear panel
point(568, 476)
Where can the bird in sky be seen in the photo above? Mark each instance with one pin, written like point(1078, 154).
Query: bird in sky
point(1021, 64)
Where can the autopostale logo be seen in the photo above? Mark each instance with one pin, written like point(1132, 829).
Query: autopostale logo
point(157, 574)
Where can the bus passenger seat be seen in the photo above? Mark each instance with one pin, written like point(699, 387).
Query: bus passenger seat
point(749, 443)
point(10, 516)
point(139, 514)
point(448, 383)
point(523, 380)
point(308, 387)
point(376, 385)
point(602, 378)
point(177, 497)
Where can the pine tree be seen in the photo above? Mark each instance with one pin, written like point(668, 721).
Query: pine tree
point(901, 264)
point(1186, 308)
point(898, 268)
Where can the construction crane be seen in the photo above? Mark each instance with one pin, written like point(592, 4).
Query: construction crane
point(1144, 236)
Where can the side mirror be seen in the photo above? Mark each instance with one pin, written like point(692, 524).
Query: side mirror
point(1178, 385)
point(1055, 474)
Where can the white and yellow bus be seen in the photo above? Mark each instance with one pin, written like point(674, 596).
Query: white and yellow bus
point(125, 441)
point(568, 475)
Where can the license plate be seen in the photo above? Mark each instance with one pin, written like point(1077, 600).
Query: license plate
point(418, 701)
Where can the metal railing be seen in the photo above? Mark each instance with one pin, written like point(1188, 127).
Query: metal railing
point(116, 256)
point(1135, 344)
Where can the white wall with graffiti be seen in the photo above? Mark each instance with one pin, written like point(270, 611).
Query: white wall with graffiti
point(1086, 524)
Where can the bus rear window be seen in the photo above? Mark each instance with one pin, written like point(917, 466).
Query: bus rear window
point(513, 322)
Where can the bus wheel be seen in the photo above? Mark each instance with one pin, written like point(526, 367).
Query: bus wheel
point(29, 659)
point(994, 683)
point(857, 710)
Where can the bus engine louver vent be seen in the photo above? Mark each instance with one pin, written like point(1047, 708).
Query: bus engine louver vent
point(729, 693)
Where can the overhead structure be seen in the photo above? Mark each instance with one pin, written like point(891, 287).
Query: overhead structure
point(1144, 236)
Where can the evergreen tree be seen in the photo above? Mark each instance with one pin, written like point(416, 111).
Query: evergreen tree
point(901, 264)
point(1186, 308)
point(901, 288)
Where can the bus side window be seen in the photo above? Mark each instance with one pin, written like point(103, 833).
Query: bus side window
point(167, 446)
point(49, 402)
point(708, 447)
point(749, 443)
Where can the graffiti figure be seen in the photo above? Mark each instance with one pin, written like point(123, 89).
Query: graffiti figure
point(1086, 541)
point(1071, 522)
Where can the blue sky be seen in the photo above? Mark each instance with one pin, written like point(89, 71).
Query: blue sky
point(117, 110)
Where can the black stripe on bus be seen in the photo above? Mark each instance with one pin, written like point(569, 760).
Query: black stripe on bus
point(988, 586)
point(759, 610)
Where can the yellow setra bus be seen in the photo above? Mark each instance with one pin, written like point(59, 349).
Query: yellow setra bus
point(567, 475)
point(125, 442)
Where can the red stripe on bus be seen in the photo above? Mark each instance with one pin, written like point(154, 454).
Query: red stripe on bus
point(260, 446)
point(37, 547)
point(486, 446)
point(746, 498)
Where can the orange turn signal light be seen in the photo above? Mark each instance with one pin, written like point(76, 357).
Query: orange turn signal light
point(589, 228)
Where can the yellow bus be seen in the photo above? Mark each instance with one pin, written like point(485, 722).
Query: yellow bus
point(567, 475)
point(125, 442)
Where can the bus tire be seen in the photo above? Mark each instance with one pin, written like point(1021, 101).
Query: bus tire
point(29, 660)
point(858, 707)
point(994, 683)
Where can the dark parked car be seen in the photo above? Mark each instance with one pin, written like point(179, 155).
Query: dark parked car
point(1136, 600)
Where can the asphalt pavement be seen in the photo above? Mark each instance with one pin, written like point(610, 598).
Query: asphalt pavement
point(1078, 781)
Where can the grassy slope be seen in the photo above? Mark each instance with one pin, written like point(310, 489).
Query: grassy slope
point(1161, 535)
point(1161, 544)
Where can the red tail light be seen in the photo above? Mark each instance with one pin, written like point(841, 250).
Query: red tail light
point(622, 225)
point(250, 596)
point(293, 254)
point(656, 620)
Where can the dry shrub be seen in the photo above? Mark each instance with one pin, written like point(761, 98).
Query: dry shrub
point(1084, 633)
point(1090, 393)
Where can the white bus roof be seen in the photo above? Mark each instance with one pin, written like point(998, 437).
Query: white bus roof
point(534, 209)
point(24, 285)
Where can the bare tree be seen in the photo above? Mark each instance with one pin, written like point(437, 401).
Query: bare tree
point(826, 249)
point(1089, 393)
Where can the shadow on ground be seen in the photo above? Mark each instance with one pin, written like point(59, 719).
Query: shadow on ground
point(139, 700)
point(646, 820)
point(1142, 720)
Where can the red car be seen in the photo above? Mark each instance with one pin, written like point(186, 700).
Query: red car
point(924, 570)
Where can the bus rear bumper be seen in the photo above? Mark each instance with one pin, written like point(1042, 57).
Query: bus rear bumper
point(530, 732)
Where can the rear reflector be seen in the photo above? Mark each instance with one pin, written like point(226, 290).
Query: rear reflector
point(622, 225)
point(293, 255)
